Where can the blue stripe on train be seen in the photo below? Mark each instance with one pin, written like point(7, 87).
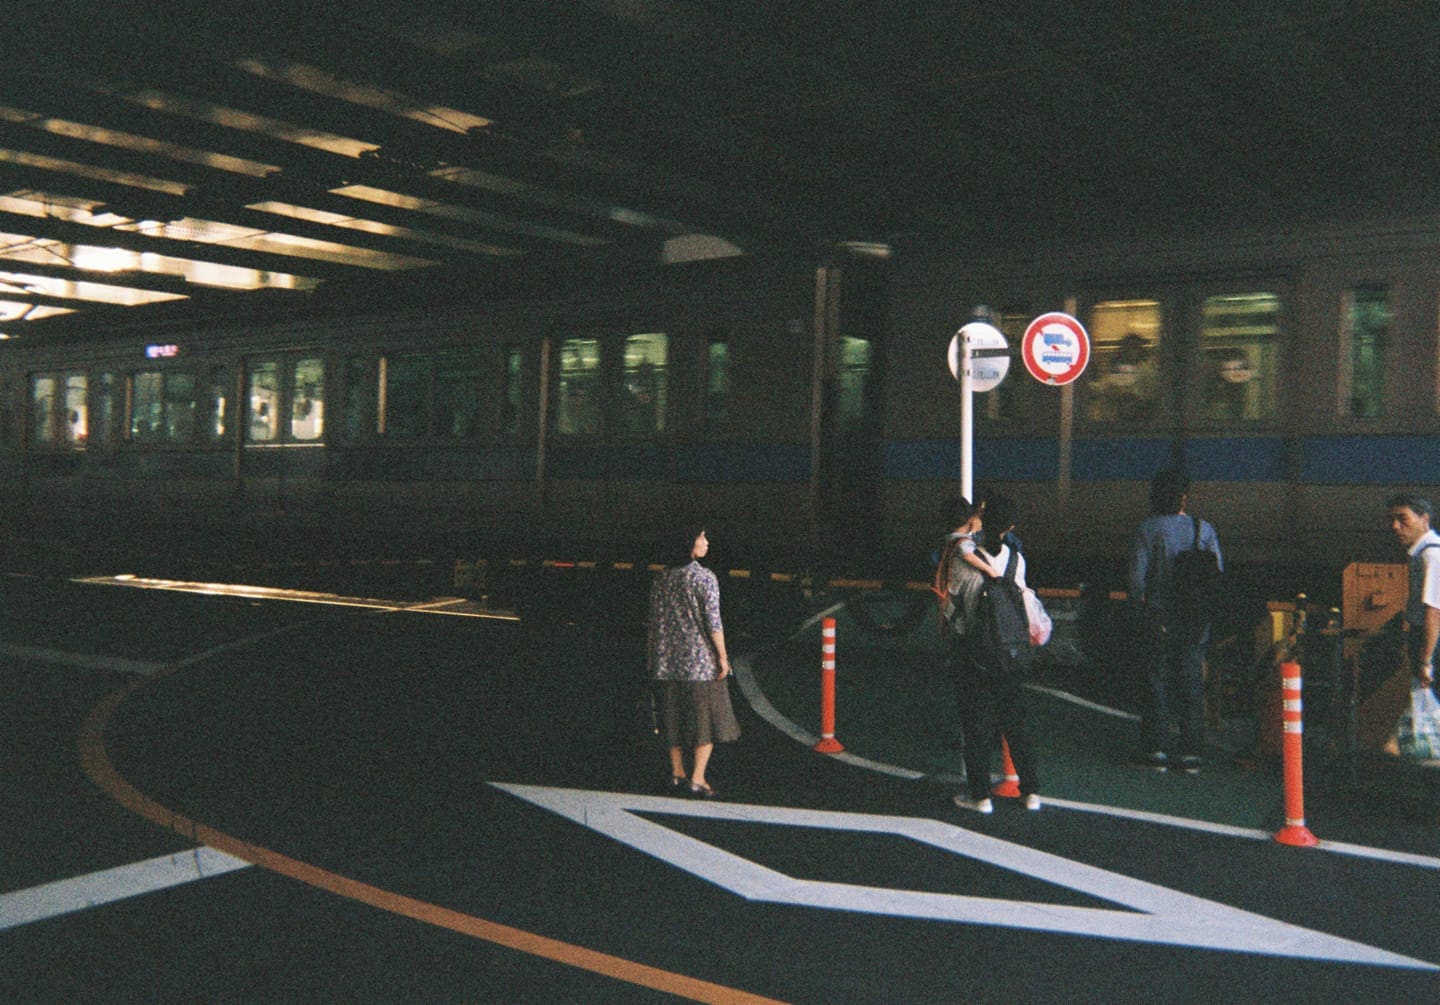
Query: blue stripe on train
point(431, 463)
point(1322, 460)
point(1134, 459)
point(1372, 460)
point(772, 462)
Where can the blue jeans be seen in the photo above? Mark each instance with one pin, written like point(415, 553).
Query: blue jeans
point(1176, 688)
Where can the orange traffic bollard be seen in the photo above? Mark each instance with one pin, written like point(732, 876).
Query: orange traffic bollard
point(1009, 787)
point(828, 744)
point(1294, 832)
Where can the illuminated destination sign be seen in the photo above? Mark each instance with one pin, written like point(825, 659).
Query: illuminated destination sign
point(158, 351)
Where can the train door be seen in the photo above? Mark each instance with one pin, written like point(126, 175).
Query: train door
point(850, 312)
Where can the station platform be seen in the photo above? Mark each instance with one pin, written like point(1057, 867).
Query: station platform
point(896, 713)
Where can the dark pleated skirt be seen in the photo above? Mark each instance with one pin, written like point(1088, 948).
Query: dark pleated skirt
point(696, 712)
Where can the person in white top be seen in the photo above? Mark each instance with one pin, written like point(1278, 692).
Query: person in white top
point(1410, 517)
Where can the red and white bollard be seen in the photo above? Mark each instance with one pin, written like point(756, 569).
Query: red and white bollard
point(828, 744)
point(1294, 832)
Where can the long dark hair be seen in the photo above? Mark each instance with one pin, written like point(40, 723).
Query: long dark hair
point(688, 533)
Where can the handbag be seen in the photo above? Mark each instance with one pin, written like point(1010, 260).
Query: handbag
point(1417, 733)
point(647, 712)
point(1040, 624)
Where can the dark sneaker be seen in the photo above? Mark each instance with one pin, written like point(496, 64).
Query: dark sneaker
point(1155, 761)
point(1190, 764)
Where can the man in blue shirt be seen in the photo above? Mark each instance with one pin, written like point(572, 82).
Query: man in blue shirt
point(1175, 647)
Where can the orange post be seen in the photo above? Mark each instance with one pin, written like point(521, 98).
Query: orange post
point(1294, 832)
point(828, 744)
point(1009, 787)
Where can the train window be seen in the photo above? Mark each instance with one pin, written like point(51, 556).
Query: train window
point(218, 402)
point(643, 401)
point(577, 401)
point(77, 410)
point(60, 409)
point(717, 380)
point(856, 392)
point(102, 409)
point(179, 426)
point(359, 381)
point(1366, 335)
point(404, 396)
point(457, 395)
point(147, 407)
point(307, 399)
point(1125, 339)
point(1239, 335)
point(512, 391)
point(264, 399)
point(162, 407)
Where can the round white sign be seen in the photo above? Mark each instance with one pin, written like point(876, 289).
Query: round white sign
point(989, 355)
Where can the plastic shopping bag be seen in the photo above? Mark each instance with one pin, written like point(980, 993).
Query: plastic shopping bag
point(1417, 733)
point(1040, 624)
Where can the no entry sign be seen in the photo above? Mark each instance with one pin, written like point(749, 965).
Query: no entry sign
point(1055, 348)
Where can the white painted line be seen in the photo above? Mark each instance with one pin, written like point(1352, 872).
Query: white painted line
point(1145, 816)
point(761, 704)
point(1338, 847)
point(79, 661)
point(1083, 703)
point(66, 896)
point(1145, 912)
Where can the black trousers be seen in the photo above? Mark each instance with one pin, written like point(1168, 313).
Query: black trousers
point(992, 704)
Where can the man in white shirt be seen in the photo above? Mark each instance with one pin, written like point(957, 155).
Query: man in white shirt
point(1410, 517)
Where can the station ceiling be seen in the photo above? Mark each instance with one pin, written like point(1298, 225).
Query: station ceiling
point(174, 159)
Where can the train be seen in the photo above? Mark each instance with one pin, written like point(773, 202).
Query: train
point(801, 403)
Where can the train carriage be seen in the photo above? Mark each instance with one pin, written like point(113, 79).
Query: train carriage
point(803, 403)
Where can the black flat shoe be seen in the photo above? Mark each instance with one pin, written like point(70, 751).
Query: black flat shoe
point(678, 782)
point(701, 791)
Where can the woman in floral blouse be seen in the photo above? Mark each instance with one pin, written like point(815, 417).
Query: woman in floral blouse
point(686, 656)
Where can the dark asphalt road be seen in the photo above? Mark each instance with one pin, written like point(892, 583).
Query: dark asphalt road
point(355, 754)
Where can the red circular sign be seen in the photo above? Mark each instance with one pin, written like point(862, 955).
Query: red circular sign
point(1055, 348)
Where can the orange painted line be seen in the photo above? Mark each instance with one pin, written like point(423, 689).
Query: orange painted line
point(97, 765)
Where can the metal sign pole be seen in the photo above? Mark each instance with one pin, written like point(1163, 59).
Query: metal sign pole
point(977, 340)
point(967, 418)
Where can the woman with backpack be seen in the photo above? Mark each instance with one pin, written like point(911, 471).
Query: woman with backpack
point(977, 589)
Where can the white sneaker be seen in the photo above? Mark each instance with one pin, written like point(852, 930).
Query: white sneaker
point(1032, 802)
point(978, 805)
